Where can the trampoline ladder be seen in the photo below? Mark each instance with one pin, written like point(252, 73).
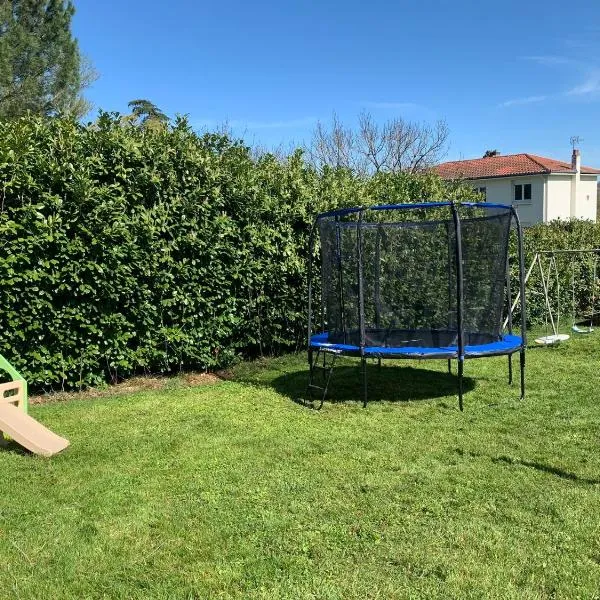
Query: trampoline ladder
point(326, 370)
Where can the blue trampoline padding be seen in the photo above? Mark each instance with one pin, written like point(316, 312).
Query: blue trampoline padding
point(507, 345)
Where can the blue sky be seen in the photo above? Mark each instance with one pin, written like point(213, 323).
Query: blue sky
point(516, 76)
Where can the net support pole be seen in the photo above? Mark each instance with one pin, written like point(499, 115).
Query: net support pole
point(377, 282)
point(311, 246)
point(377, 285)
point(459, 302)
point(340, 275)
point(509, 316)
point(523, 303)
point(451, 258)
point(361, 304)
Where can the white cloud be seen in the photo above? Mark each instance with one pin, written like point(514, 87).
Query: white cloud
point(589, 87)
point(549, 60)
point(520, 101)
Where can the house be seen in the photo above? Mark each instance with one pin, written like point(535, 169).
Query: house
point(542, 189)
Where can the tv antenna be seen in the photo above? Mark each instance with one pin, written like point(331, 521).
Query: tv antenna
point(575, 141)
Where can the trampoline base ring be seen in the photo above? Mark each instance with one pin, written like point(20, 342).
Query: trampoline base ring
point(508, 344)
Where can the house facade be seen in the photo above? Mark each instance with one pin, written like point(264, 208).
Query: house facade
point(542, 189)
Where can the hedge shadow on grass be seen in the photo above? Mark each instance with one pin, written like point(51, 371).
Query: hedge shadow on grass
point(389, 383)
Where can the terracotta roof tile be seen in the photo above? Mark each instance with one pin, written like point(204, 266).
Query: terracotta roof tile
point(506, 166)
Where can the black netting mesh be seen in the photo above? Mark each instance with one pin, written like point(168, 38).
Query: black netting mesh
point(409, 280)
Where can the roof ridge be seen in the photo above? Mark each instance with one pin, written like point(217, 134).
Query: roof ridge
point(484, 158)
point(508, 165)
point(537, 162)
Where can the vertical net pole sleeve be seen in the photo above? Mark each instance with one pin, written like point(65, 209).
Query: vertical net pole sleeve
point(459, 282)
point(311, 246)
point(361, 298)
point(509, 295)
point(361, 305)
point(451, 258)
point(339, 264)
point(377, 283)
point(521, 277)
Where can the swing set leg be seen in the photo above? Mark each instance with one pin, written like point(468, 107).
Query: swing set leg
point(522, 365)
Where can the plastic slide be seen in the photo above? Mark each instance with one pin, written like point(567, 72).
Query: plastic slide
point(22, 428)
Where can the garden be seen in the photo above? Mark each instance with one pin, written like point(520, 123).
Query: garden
point(130, 253)
point(159, 286)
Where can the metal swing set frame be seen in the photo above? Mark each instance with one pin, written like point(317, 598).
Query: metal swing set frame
point(556, 337)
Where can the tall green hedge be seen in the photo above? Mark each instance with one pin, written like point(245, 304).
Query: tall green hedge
point(127, 250)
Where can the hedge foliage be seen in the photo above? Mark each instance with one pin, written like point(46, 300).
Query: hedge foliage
point(128, 250)
point(125, 250)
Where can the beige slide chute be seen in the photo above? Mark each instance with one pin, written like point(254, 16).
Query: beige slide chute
point(17, 424)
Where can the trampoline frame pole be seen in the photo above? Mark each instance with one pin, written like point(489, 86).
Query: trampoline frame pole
point(509, 316)
point(361, 305)
point(450, 286)
point(523, 303)
point(311, 245)
point(459, 302)
point(339, 261)
point(376, 283)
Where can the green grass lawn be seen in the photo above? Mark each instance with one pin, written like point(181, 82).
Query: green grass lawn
point(234, 490)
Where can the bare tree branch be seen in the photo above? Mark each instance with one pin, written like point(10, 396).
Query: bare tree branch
point(396, 145)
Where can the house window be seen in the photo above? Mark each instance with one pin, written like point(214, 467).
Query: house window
point(522, 192)
point(482, 191)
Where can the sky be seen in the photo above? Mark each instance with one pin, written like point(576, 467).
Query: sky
point(516, 76)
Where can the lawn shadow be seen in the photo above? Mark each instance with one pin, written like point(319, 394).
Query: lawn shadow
point(11, 447)
point(531, 464)
point(391, 384)
point(558, 472)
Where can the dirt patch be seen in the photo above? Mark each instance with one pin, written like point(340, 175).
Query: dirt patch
point(131, 386)
point(192, 379)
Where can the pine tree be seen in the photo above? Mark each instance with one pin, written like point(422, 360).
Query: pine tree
point(147, 115)
point(41, 69)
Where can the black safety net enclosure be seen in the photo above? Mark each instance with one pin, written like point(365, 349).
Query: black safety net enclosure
point(424, 280)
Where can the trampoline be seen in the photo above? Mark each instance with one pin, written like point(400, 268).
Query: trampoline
point(427, 280)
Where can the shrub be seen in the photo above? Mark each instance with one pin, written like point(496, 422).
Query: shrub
point(128, 250)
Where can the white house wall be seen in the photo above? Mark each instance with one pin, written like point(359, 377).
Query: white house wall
point(559, 197)
point(500, 190)
point(586, 197)
point(557, 188)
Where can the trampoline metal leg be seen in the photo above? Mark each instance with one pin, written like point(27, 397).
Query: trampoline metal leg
point(522, 365)
point(449, 366)
point(310, 373)
point(460, 383)
point(510, 370)
point(363, 365)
